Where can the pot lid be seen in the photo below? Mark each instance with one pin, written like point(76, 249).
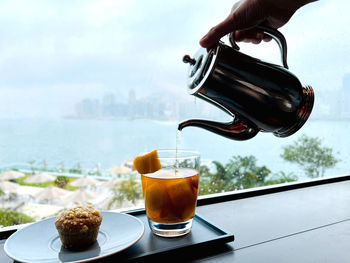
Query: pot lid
point(200, 66)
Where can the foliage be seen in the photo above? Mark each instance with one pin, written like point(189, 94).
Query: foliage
point(239, 173)
point(210, 183)
point(281, 178)
point(10, 217)
point(310, 156)
point(126, 190)
point(76, 170)
point(187, 163)
point(21, 181)
point(69, 187)
point(244, 172)
point(61, 181)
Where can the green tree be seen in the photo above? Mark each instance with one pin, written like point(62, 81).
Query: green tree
point(310, 155)
point(245, 173)
point(239, 173)
point(128, 189)
point(280, 178)
point(10, 217)
point(211, 183)
point(61, 181)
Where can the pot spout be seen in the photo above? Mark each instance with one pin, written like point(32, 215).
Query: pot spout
point(235, 130)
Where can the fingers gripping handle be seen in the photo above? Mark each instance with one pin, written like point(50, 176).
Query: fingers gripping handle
point(276, 35)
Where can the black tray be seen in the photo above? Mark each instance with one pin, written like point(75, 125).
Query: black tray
point(203, 237)
point(204, 234)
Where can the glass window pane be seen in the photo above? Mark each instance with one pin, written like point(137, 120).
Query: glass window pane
point(86, 86)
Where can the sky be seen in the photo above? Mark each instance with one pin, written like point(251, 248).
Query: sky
point(55, 53)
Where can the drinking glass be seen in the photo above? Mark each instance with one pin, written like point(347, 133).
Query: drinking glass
point(170, 193)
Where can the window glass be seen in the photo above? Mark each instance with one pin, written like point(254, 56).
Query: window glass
point(85, 86)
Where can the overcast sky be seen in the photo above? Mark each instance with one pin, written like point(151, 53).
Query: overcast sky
point(55, 53)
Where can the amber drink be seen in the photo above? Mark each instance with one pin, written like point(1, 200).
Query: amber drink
point(170, 193)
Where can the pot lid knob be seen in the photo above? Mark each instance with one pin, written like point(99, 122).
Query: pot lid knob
point(188, 59)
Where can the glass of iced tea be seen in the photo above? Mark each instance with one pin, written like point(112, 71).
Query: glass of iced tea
point(170, 193)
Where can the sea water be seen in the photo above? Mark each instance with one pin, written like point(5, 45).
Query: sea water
point(106, 143)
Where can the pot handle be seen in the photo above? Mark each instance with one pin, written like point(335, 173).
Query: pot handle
point(276, 35)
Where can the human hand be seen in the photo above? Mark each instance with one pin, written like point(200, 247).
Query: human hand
point(247, 14)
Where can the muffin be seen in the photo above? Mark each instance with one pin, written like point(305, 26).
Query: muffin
point(78, 227)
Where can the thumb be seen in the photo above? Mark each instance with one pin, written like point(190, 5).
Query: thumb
point(217, 32)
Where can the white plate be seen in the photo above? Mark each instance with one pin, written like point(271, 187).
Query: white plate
point(40, 243)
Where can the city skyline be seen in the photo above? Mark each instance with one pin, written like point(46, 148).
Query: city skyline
point(177, 107)
point(154, 106)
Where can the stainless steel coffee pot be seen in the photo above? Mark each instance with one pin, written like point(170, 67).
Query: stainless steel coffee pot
point(260, 96)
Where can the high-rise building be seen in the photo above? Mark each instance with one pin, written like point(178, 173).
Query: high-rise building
point(132, 97)
point(108, 99)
